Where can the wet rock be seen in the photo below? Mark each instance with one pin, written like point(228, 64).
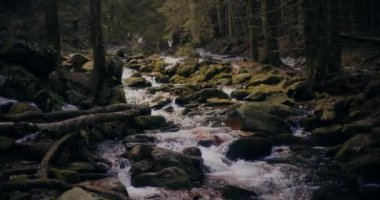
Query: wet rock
point(107, 184)
point(170, 177)
point(249, 148)
point(141, 167)
point(192, 165)
point(235, 193)
point(162, 79)
point(137, 82)
point(76, 60)
point(148, 122)
point(280, 98)
point(139, 139)
point(37, 59)
point(261, 117)
point(117, 95)
point(211, 93)
point(218, 102)
point(189, 67)
point(353, 147)
point(186, 99)
point(366, 166)
point(240, 94)
point(269, 78)
point(328, 136)
point(300, 91)
point(76, 193)
point(139, 152)
point(65, 175)
point(192, 151)
point(21, 107)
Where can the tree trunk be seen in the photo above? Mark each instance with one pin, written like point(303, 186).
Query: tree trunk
point(269, 15)
point(230, 18)
point(320, 58)
point(219, 9)
point(99, 73)
point(52, 24)
point(251, 27)
point(334, 41)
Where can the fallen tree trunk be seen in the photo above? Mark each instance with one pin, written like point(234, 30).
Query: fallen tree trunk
point(65, 126)
point(36, 116)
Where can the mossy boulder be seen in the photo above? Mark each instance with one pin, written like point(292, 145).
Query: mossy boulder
point(192, 151)
point(372, 89)
point(249, 148)
point(209, 93)
point(257, 96)
point(170, 178)
point(328, 136)
point(361, 126)
point(367, 166)
point(65, 175)
point(81, 167)
point(236, 193)
point(218, 102)
point(241, 78)
point(300, 91)
point(76, 60)
point(280, 98)
point(117, 95)
point(107, 184)
point(188, 67)
point(148, 122)
point(262, 117)
point(353, 147)
point(138, 82)
point(21, 107)
point(267, 78)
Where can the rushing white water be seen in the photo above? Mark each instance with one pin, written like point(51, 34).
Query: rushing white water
point(271, 178)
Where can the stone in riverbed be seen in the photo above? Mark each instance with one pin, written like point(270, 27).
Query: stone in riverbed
point(65, 175)
point(261, 117)
point(75, 194)
point(236, 193)
point(192, 151)
point(218, 102)
point(209, 93)
point(353, 147)
point(5, 144)
point(138, 82)
point(170, 177)
point(249, 148)
point(367, 166)
point(107, 184)
point(328, 136)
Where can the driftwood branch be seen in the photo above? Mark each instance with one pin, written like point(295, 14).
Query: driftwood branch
point(44, 166)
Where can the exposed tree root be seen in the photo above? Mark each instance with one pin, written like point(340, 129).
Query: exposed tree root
point(44, 166)
point(27, 185)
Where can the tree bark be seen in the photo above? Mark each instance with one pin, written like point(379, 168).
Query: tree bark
point(100, 72)
point(52, 24)
point(269, 21)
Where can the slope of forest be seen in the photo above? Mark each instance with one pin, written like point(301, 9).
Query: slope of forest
point(189, 99)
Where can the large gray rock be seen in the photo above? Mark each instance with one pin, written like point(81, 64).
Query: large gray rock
point(170, 177)
point(75, 194)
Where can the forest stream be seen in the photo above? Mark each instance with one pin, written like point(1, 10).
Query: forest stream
point(272, 177)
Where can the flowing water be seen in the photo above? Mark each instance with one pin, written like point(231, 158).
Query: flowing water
point(270, 180)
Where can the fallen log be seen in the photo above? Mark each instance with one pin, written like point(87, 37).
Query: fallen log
point(65, 126)
point(37, 116)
